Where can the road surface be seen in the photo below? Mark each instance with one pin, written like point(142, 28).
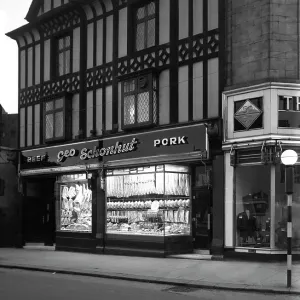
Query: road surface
point(31, 285)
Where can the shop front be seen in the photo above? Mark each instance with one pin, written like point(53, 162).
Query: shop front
point(144, 194)
point(256, 219)
point(260, 123)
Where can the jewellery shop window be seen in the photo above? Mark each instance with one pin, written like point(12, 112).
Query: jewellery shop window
point(253, 206)
point(281, 209)
point(75, 203)
point(151, 200)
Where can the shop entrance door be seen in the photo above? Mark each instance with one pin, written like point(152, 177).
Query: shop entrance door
point(201, 218)
point(39, 212)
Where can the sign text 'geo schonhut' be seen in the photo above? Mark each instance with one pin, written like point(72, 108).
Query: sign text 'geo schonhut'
point(86, 153)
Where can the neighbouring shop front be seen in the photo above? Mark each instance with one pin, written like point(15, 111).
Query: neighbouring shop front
point(256, 219)
point(261, 122)
point(146, 194)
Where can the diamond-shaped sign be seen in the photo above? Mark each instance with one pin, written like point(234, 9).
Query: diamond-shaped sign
point(247, 114)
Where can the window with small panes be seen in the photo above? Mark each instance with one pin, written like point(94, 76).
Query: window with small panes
point(57, 119)
point(63, 55)
point(145, 25)
point(139, 101)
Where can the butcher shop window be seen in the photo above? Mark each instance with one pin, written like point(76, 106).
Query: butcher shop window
point(75, 205)
point(139, 102)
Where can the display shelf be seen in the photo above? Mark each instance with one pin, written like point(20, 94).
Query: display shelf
point(143, 205)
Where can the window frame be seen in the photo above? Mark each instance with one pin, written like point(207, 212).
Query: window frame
point(56, 52)
point(132, 23)
point(67, 117)
point(153, 92)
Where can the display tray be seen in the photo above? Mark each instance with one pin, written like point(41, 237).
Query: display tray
point(146, 233)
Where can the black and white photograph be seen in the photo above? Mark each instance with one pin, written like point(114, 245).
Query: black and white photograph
point(150, 149)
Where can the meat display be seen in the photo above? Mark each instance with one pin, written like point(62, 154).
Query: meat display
point(76, 206)
point(156, 203)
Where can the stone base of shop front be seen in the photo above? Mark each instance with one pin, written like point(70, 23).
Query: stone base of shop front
point(75, 242)
point(263, 255)
point(143, 245)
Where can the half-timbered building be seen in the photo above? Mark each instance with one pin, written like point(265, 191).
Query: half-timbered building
point(120, 129)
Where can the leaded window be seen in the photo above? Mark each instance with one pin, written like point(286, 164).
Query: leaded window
point(63, 55)
point(54, 119)
point(145, 26)
point(139, 105)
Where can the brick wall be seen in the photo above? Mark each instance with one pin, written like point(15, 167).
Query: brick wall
point(261, 41)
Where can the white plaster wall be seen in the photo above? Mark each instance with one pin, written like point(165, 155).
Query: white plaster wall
point(120, 106)
point(122, 32)
point(37, 123)
point(29, 126)
point(75, 115)
point(99, 109)
point(164, 97)
point(47, 5)
point(109, 38)
point(198, 91)
point(183, 19)
point(213, 14)
point(37, 64)
point(164, 21)
point(197, 16)
point(76, 49)
point(99, 42)
point(22, 68)
point(183, 93)
point(47, 60)
point(213, 88)
point(90, 45)
point(89, 113)
point(30, 66)
point(22, 127)
point(108, 107)
point(56, 3)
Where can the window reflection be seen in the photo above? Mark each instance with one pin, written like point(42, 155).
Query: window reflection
point(281, 209)
point(253, 207)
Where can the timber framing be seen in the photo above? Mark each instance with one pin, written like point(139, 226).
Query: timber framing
point(172, 55)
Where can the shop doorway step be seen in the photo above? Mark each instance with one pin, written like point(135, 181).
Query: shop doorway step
point(197, 255)
point(38, 246)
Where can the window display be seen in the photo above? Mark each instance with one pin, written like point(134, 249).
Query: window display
point(253, 206)
point(75, 206)
point(149, 201)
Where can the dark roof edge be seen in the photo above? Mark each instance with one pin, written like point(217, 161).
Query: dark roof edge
point(33, 10)
point(16, 32)
point(33, 24)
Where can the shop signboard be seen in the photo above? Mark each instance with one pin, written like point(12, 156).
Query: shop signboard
point(157, 142)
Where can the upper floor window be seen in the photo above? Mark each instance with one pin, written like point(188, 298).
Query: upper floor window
point(63, 55)
point(57, 119)
point(139, 102)
point(145, 26)
point(54, 119)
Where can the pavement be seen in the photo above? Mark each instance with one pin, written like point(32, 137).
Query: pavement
point(264, 277)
